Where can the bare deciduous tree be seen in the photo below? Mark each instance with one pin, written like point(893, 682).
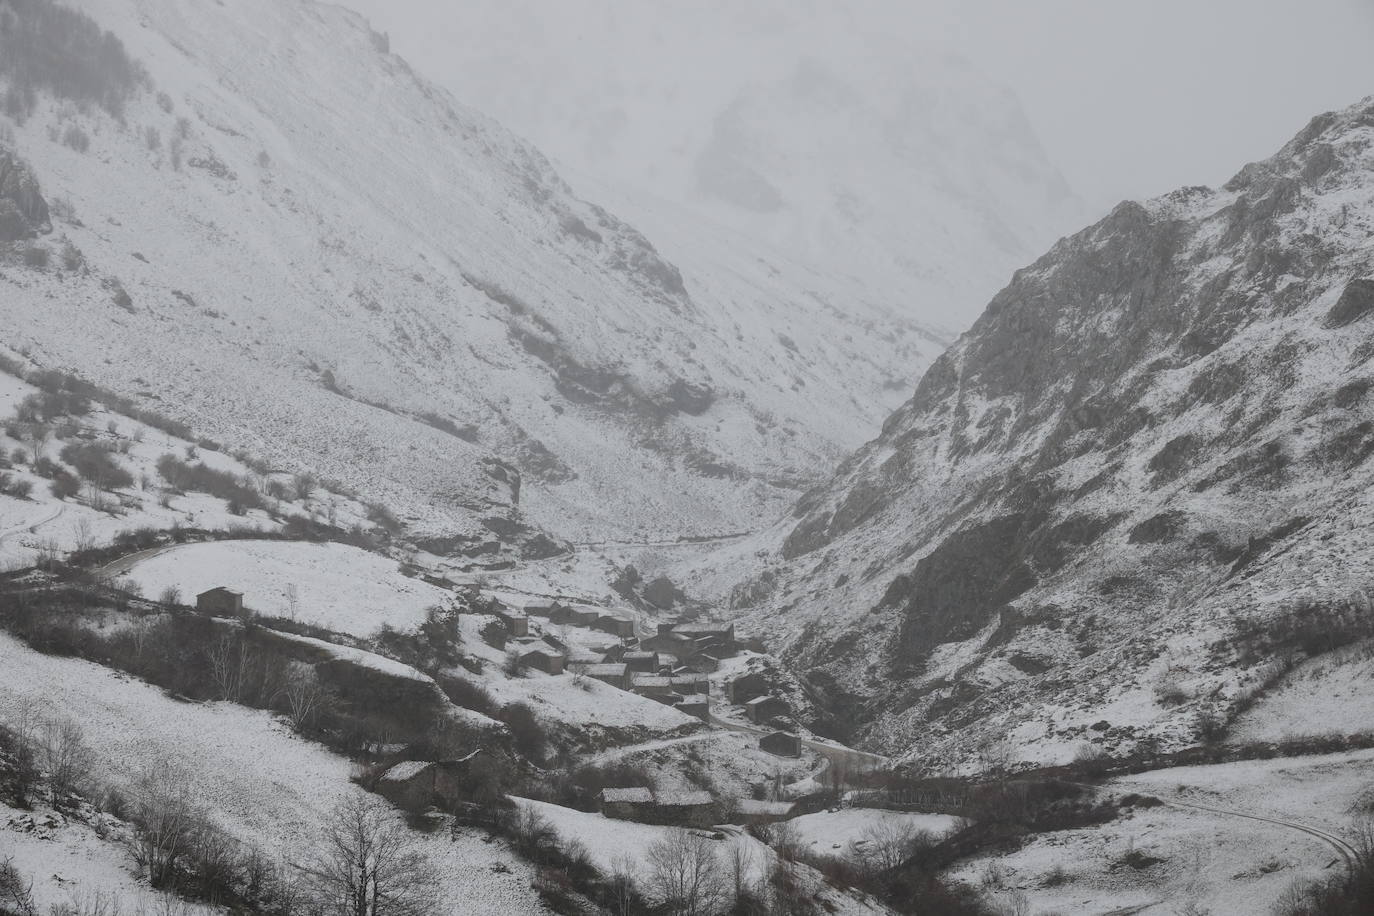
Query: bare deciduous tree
point(685, 876)
point(67, 757)
point(167, 820)
point(370, 865)
point(303, 695)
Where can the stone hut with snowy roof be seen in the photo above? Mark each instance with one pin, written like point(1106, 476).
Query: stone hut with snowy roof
point(685, 809)
point(632, 804)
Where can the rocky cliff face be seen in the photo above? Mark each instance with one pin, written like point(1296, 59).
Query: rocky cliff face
point(1150, 449)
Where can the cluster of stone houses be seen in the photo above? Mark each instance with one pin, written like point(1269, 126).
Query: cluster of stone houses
point(671, 666)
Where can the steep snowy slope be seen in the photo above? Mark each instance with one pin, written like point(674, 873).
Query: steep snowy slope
point(808, 127)
point(1140, 476)
point(318, 249)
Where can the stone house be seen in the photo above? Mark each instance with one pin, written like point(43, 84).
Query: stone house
point(680, 809)
point(641, 662)
point(651, 685)
point(685, 809)
point(220, 601)
point(627, 804)
point(690, 683)
point(611, 673)
point(781, 744)
point(550, 661)
point(515, 621)
point(696, 705)
point(615, 625)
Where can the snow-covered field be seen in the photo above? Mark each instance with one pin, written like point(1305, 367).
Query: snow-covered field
point(831, 832)
point(1331, 694)
point(1163, 858)
point(334, 586)
point(261, 783)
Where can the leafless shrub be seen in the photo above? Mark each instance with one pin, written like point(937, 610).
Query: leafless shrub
point(16, 892)
point(685, 876)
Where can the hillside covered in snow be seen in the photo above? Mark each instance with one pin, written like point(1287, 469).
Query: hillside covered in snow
point(277, 231)
point(1126, 500)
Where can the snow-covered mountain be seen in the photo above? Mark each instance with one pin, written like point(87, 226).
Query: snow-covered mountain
point(811, 129)
point(1127, 496)
point(295, 242)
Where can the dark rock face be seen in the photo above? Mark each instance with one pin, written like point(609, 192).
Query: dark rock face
point(957, 586)
point(1178, 366)
point(1356, 302)
point(23, 211)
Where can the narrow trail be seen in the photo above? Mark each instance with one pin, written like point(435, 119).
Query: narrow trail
point(1345, 850)
point(32, 525)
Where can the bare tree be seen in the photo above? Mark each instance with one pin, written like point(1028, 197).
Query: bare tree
point(230, 664)
point(303, 695)
point(35, 435)
point(621, 887)
point(685, 875)
point(85, 537)
point(887, 845)
point(740, 864)
point(370, 865)
point(167, 820)
point(67, 757)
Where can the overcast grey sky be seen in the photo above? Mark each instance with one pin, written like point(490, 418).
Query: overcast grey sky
point(1130, 99)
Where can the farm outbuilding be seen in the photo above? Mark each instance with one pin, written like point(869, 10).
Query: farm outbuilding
point(631, 804)
point(781, 744)
point(220, 601)
point(550, 661)
point(614, 674)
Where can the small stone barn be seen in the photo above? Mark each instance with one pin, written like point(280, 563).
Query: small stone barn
point(761, 710)
point(684, 809)
point(409, 784)
point(781, 744)
point(581, 615)
point(515, 621)
point(648, 685)
point(641, 662)
point(627, 804)
point(690, 683)
point(697, 706)
point(550, 661)
point(220, 601)
point(613, 674)
point(615, 625)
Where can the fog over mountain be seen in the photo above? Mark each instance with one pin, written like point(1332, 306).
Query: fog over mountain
point(686, 458)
